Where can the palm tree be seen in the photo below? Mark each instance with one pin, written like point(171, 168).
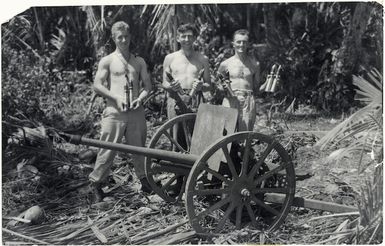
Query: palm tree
point(167, 17)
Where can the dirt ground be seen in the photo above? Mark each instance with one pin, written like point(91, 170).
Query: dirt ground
point(131, 217)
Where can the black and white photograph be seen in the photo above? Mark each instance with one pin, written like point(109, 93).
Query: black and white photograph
point(179, 123)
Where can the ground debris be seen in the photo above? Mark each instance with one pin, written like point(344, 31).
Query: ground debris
point(132, 217)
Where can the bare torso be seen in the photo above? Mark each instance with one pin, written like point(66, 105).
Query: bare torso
point(117, 79)
point(242, 73)
point(184, 69)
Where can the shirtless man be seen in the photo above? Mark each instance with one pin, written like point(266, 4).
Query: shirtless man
point(244, 76)
point(120, 119)
point(185, 65)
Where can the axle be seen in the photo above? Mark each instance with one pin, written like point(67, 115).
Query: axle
point(175, 157)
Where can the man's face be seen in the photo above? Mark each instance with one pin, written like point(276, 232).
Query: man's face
point(122, 39)
point(186, 38)
point(240, 43)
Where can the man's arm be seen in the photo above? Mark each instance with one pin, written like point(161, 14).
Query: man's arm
point(147, 86)
point(206, 75)
point(222, 70)
point(145, 77)
point(166, 68)
point(256, 78)
point(100, 77)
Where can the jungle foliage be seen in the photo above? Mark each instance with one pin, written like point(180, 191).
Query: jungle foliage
point(319, 45)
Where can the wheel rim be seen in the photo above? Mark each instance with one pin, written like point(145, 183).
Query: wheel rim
point(233, 197)
point(168, 181)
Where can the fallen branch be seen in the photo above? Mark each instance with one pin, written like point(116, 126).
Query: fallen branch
point(17, 219)
point(96, 231)
point(176, 238)
point(335, 215)
point(159, 233)
point(22, 236)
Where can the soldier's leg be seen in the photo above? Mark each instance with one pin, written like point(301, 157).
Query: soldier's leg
point(249, 113)
point(112, 132)
point(135, 134)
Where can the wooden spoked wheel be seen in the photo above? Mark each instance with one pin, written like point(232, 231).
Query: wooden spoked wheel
point(233, 196)
point(168, 179)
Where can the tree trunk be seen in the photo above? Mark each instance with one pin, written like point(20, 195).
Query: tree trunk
point(40, 33)
point(351, 47)
point(174, 28)
point(269, 19)
point(248, 16)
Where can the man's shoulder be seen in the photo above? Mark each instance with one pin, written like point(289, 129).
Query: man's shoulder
point(172, 55)
point(139, 59)
point(202, 57)
point(254, 61)
point(227, 61)
point(106, 60)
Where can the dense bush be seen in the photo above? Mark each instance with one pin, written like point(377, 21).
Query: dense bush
point(312, 42)
point(33, 92)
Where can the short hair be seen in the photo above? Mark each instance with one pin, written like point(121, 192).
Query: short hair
point(243, 32)
point(119, 26)
point(185, 28)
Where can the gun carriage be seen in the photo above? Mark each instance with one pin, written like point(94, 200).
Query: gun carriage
point(226, 179)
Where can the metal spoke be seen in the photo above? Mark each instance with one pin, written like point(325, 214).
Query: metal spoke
point(222, 222)
point(238, 216)
point(270, 173)
point(187, 135)
point(169, 182)
point(230, 162)
point(211, 192)
point(213, 208)
point(270, 190)
point(182, 189)
point(262, 204)
point(246, 156)
point(217, 175)
point(174, 141)
point(251, 214)
point(261, 160)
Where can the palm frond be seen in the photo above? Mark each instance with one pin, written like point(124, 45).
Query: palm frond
point(19, 26)
point(59, 40)
point(370, 93)
point(370, 207)
point(165, 18)
point(95, 23)
point(361, 121)
point(365, 120)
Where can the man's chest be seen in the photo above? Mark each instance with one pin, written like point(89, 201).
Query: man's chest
point(184, 65)
point(240, 70)
point(120, 68)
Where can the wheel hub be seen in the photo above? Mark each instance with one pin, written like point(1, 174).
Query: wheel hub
point(245, 193)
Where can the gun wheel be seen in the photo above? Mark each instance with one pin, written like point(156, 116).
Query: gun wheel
point(168, 179)
point(253, 165)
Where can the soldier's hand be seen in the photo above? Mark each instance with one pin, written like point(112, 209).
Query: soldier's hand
point(175, 85)
point(225, 85)
point(263, 86)
point(120, 104)
point(136, 103)
point(197, 85)
point(220, 87)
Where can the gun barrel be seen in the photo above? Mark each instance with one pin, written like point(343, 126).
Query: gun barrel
point(188, 159)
